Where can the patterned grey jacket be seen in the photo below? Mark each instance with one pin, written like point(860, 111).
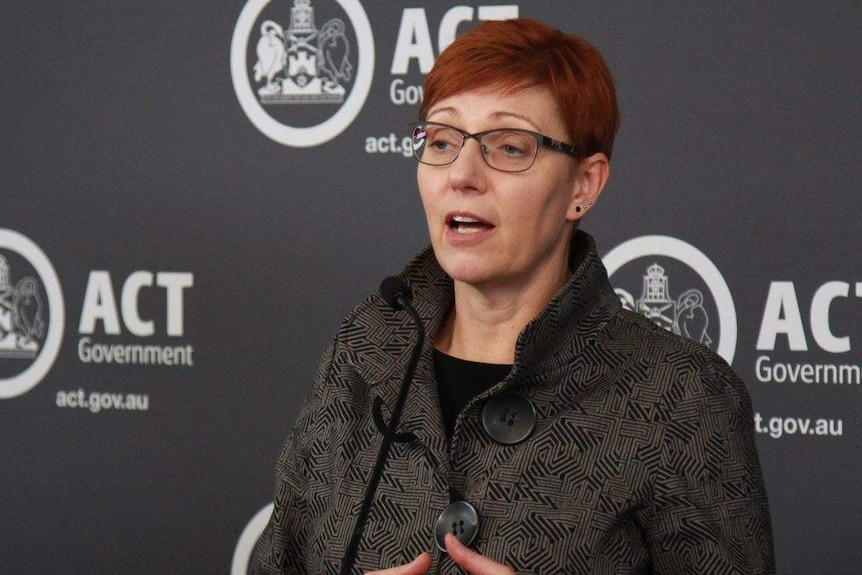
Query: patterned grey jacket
point(642, 459)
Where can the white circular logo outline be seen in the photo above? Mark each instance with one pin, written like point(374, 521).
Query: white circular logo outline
point(33, 375)
point(327, 130)
point(245, 546)
point(666, 246)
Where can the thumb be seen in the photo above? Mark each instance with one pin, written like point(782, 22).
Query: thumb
point(471, 561)
point(418, 566)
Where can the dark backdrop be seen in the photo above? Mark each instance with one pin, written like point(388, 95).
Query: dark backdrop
point(136, 187)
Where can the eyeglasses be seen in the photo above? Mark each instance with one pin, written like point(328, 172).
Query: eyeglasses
point(504, 149)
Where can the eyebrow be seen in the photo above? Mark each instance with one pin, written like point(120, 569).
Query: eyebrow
point(496, 115)
point(448, 110)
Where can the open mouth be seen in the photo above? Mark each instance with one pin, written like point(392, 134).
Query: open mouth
point(467, 225)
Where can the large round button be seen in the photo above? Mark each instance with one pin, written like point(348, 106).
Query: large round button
point(509, 418)
point(460, 519)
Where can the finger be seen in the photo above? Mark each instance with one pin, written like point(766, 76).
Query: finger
point(473, 562)
point(418, 566)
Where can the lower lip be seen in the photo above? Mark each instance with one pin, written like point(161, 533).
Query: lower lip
point(458, 238)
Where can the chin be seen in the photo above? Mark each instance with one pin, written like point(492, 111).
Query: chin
point(473, 270)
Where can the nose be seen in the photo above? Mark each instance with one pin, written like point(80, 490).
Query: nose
point(468, 171)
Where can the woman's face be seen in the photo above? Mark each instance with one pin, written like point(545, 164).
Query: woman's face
point(498, 228)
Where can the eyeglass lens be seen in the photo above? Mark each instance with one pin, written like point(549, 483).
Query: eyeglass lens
point(507, 150)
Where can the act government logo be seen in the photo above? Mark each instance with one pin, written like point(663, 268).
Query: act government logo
point(678, 287)
point(301, 70)
point(31, 314)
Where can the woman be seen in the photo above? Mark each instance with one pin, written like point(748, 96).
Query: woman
point(547, 430)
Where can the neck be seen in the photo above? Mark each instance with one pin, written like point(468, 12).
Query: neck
point(487, 319)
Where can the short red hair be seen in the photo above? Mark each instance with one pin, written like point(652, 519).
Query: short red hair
point(521, 53)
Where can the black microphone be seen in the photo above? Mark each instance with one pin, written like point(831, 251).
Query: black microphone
point(397, 294)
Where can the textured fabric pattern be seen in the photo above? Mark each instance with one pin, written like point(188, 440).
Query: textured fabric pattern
point(642, 460)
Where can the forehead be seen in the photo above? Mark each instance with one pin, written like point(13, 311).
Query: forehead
point(533, 108)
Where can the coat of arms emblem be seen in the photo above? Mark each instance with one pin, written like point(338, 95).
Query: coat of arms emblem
point(22, 321)
point(302, 64)
point(684, 316)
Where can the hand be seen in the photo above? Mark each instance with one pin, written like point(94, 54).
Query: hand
point(471, 561)
point(418, 566)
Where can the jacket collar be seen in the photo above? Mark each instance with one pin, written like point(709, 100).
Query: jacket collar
point(578, 311)
point(381, 339)
point(573, 317)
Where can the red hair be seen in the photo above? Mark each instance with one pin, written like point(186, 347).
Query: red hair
point(521, 53)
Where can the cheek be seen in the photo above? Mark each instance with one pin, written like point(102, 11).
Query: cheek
point(428, 183)
point(544, 205)
point(561, 200)
point(428, 203)
point(425, 197)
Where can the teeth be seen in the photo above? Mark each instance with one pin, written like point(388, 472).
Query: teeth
point(467, 225)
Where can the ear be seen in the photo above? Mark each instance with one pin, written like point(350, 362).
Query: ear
point(592, 175)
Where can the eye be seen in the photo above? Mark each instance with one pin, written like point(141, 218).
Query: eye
point(513, 150)
point(511, 144)
point(442, 139)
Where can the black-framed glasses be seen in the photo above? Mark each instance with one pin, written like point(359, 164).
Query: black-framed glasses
point(504, 149)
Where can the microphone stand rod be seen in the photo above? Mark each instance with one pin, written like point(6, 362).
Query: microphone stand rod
point(353, 547)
